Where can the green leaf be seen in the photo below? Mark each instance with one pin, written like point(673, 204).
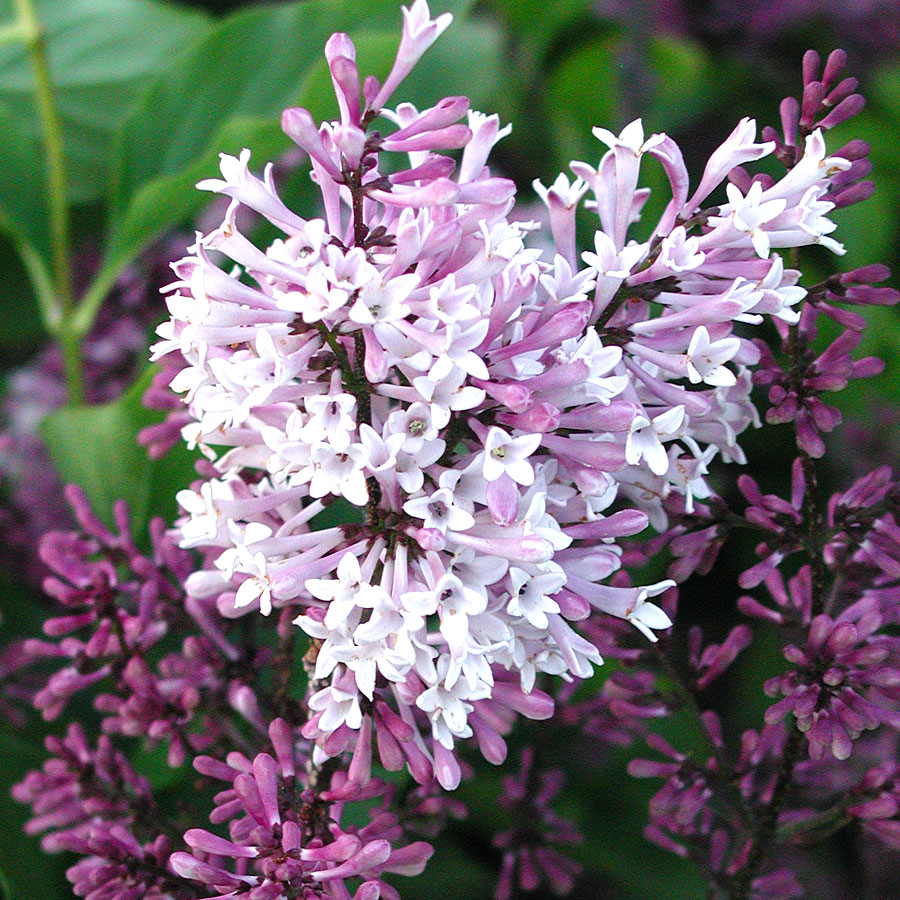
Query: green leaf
point(885, 88)
point(543, 17)
point(467, 59)
point(589, 87)
point(248, 68)
point(583, 91)
point(169, 200)
point(23, 203)
point(685, 83)
point(96, 447)
point(103, 54)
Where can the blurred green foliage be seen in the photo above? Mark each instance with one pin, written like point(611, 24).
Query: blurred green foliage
point(150, 92)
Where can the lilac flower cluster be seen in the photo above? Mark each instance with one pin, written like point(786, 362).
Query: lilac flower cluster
point(120, 604)
point(481, 408)
point(831, 572)
point(285, 836)
point(531, 853)
point(89, 801)
point(286, 840)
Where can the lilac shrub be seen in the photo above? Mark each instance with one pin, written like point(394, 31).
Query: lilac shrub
point(428, 451)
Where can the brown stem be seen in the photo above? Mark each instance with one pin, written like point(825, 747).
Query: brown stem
point(813, 514)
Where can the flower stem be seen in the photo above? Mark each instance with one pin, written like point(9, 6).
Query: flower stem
point(813, 520)
point(684, 694)
point(58, 313)
point(72, 361)
point(765, 831)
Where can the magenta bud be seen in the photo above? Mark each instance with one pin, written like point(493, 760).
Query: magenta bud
point(188, 866)
point(446, 767)
point(430, 539)
point(537, 705)
point(202, 840)
point(503, 500)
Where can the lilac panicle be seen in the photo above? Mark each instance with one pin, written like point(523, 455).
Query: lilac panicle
point(533, 853)
point(285, 838)
point(120, 603)
point(90, 801)
point(846, 680)
point(500, 421)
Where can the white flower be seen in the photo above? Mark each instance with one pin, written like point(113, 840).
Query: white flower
point(751, 213)
point(680, 253)
point(416, 425)
point(330, 419)
point(346, 593)
point(705, 359)
point(337, 708)
point(530, 596)
point(241, 537)
point(243, 560)
point(319, 300)
point(453, 601)
point(646, 436)
point(505, 455)
point(610, 262)
point(446, 708)
point(381, 301)
point(631, 138)
point(447, 394)
point(331, 472)
point(380, 645)
point(206, 524)
point(439, 510)
point(648, 616)
point(450, 303)
point(565, 285)
point(458, 351)
point(686, 472)
point(409, 466)
point(568, 194)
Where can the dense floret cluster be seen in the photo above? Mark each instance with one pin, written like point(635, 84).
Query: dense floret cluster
point(481, 408)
